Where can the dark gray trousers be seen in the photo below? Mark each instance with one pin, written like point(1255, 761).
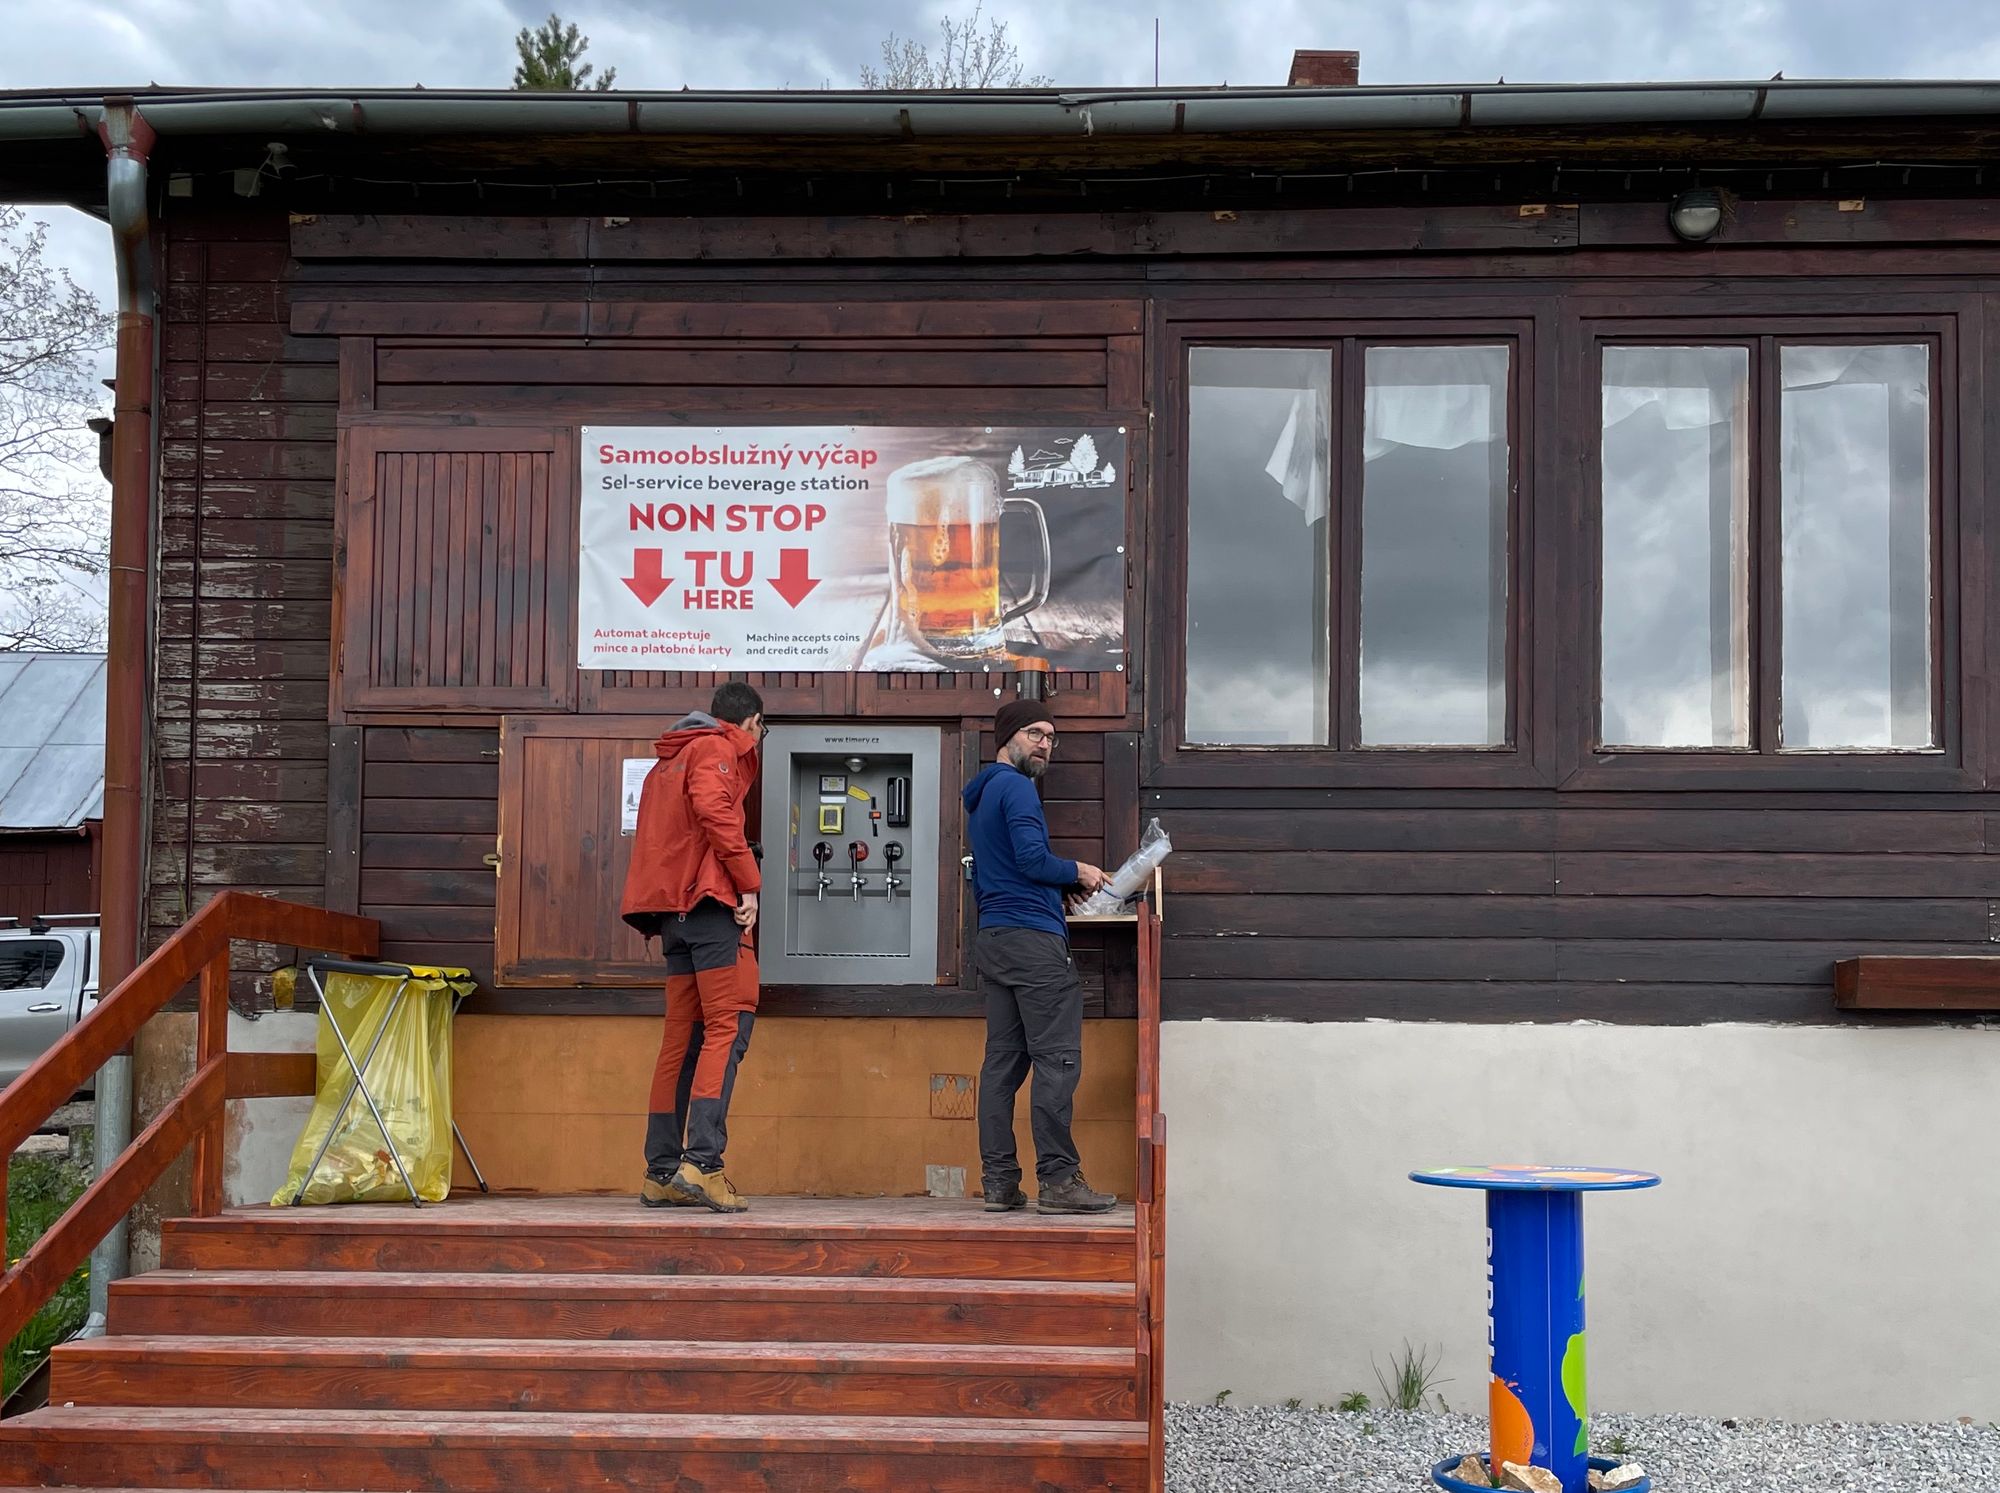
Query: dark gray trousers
point(1034, 1020)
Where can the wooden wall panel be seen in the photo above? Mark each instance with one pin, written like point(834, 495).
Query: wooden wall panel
point(1288, 899)
point(1341, 906)
point(247, 426)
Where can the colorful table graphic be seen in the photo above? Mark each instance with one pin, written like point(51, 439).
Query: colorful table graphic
point(1534, 1325)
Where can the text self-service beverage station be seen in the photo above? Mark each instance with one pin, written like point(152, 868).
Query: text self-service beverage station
point(853, 899)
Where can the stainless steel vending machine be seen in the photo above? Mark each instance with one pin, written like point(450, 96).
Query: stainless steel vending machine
point(853, 898)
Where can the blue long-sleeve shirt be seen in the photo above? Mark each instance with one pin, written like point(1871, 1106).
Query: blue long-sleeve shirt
point(1017, 879)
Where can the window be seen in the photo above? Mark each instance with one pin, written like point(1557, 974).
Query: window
point(1260, 426)
point(1434, 506)
point(1676, 517)
point(29, 963)
point(1855, 434)
point(1819, 531)
point(1350, 516)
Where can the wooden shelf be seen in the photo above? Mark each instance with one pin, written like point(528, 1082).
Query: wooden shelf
point(1918, 982)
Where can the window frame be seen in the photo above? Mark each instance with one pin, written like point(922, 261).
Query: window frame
point(1172, 760)
point(1957, 761)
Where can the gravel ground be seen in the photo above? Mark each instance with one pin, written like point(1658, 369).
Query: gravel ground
point(1256, 1449)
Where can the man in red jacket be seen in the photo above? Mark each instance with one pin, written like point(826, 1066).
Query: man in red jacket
point(693, 881)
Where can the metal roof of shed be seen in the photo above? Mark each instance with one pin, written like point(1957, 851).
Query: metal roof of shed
point(51, 740)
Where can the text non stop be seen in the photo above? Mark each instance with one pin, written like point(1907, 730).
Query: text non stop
point(734, 518)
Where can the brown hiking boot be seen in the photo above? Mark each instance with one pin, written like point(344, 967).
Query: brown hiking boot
point(710, 1190)
point(1004, 1199)
point(653, 1193)
point(1072, 1195)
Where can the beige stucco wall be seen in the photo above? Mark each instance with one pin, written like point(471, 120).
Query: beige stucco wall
point(1822, 1245)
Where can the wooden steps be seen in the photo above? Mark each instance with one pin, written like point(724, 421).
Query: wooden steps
point(528, 1344)
point(485, 1453)
point(553, 1377)
point(621, 1239)
point(696, 1307)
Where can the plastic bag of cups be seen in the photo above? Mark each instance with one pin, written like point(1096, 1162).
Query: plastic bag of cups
point(1130, 879)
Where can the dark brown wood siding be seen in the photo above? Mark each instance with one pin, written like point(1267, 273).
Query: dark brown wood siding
point(247, 466)
point(47, 874)
point(1512, 906)
point(1560, 886)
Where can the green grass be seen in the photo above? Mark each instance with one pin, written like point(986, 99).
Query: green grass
point(1412, 1380)
point(39, 1188)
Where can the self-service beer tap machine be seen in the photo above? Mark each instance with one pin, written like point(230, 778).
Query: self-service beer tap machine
point(854, 899)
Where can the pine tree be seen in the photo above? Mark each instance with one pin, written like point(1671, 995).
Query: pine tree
point(550, 55)
point(1083, 455)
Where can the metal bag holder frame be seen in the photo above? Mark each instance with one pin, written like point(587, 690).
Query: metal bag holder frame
point(403, 974)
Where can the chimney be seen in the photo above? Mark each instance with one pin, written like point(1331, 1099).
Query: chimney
point(1325, 70)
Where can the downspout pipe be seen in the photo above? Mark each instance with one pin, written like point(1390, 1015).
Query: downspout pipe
point(128, 143)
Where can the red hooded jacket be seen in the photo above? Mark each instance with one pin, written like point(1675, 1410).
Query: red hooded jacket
point(690, 841)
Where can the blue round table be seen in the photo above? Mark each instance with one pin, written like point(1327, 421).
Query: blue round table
point(1536, 1399)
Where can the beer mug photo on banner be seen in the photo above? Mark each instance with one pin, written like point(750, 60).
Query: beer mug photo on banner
point(944, 556)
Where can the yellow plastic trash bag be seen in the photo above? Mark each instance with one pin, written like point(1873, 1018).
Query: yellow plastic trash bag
point(409, 1077)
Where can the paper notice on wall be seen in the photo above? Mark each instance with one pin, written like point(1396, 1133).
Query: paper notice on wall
point(751, 548)
point(632, 782)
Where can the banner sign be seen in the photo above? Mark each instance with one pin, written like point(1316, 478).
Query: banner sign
point(852, 548)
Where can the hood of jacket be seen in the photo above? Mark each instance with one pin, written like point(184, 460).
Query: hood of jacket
point(691, 728)
point(981, 781)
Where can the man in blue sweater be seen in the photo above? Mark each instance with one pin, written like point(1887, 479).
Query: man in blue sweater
point(1034, 1002)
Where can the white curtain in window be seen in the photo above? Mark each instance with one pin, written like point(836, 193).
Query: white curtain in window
point(1300, 459)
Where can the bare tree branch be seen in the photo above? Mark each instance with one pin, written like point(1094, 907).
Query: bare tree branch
point(54, 507)
point(966, 58)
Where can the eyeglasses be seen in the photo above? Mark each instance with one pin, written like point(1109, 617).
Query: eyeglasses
point(1040, 737)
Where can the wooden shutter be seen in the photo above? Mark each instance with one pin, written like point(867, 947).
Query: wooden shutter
point(455, 579)
point(562, 857)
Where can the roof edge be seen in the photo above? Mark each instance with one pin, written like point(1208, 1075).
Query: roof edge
point(70, 114)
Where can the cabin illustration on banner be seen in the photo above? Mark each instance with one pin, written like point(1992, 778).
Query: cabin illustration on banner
point(1072, 464)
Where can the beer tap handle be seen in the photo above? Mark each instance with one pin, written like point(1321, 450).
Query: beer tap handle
point(892, 853)
point(822, 853)
point(857, 852)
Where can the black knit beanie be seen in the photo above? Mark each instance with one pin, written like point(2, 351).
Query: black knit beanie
point(1015, 714)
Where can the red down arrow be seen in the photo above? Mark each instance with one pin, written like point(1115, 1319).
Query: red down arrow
point(791, 581)
point(645, 580)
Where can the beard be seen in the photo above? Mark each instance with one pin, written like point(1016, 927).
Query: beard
point(1027, 762)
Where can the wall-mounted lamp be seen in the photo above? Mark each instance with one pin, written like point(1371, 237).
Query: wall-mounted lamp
point(101, 428)
point(1696, 214)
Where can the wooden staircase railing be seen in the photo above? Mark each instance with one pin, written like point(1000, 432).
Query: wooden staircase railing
point(1149, 1212)
point(199, 948)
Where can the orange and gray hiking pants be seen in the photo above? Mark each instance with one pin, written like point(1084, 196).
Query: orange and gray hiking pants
point(711, 1006)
